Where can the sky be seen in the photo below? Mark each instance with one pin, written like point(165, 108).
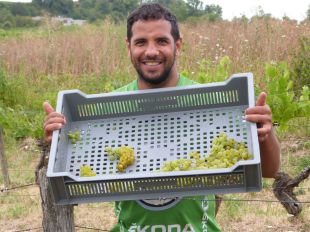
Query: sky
point(294, 9)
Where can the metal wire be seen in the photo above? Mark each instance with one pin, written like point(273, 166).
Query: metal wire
point(16, 187)
point(30, 229)
point(89, 228)
point(251, 200)
point(203, 200)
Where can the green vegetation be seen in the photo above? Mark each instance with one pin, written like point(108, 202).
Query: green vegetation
point(301, 64)
point(20, 14)
point(286, 104)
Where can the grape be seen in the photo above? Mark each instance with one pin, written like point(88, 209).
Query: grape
point(194, 163)
point(86, 170)
point(225, 153)
point(124, 154)
point(74, 137)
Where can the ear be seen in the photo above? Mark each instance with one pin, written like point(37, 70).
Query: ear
point(128, 47)
point(178, 46)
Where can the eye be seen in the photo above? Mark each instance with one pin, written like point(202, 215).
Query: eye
point(139, 42)
point(162, 41)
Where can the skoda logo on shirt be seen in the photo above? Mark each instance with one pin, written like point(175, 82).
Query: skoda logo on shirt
point(159, 204)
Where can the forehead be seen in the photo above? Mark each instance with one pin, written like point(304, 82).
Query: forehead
point(151, 28)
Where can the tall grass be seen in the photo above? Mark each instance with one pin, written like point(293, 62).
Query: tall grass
point(100, 50)
point(93, 58)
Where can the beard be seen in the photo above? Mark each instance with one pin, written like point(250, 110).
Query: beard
point(161, 78)
point(155, 81)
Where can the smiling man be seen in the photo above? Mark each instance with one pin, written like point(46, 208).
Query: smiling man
point(152, 50)
point(153, 43)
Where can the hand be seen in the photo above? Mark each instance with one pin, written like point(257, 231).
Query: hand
point(260, 114)
point(53, 121)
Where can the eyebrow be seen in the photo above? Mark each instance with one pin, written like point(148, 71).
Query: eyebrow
point(144, 39)
point(163, 38)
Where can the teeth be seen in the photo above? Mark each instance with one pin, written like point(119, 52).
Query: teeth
point(152, 63)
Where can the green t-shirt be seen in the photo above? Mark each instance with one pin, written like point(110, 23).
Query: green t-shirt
point(187, 214)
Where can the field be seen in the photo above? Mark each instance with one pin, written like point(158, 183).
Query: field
point(35, 65)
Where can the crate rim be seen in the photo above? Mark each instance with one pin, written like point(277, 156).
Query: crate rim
point(56, 133)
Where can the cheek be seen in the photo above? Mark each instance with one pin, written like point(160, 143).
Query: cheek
point(134, 54)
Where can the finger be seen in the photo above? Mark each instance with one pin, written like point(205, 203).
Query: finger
point(48, 138)
point(48, 108)
point(262, 138)
point(258, 118)
point(261, 100)
point(264, 130)
point(53, 115)
point(49, 128)
point(258, 110)
point(53, 120)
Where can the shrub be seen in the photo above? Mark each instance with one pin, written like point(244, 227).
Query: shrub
point(301, 65)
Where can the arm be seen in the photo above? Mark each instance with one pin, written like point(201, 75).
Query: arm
point(269, 145)
point(53, 121)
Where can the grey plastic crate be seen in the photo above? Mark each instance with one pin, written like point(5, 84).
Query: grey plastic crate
point(161, 125)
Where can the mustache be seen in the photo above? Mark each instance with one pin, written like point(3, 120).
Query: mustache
point(148, 59)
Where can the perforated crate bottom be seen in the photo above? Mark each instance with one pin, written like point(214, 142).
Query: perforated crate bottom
point(155, 187)
point(163, 183)
point(156, 138)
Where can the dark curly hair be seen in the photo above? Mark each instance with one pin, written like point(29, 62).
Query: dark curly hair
point(152, 11)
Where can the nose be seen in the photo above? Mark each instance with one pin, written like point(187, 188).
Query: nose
point(151, 50)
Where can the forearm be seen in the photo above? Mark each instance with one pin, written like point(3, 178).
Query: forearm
point(270, 156)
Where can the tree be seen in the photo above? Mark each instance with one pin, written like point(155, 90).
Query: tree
point(194, 7)
point(214, 12)
point(56, 7)
point(179, 8)
point(260, 13)
point(103, 7)
point(20, 9)
point(6, 19)
point(308, 13)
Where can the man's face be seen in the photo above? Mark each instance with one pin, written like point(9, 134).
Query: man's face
point(152, 50)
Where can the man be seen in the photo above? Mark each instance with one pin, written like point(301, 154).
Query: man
point(153, 43)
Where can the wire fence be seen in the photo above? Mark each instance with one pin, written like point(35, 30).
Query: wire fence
point(223, 199)
point(33, 170)
point(8, 190)
point(41, 228)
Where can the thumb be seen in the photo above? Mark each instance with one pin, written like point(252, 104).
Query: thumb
point(261, 100)
point(48, 108)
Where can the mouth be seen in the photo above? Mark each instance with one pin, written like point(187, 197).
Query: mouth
point(151, 63)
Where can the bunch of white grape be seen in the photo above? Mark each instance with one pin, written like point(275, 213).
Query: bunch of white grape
point(124, 154)
point(86, 170)
point(225, 153)
point(195, 162)
point(74, 137)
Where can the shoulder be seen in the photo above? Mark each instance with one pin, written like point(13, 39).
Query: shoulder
point(184, 81)
point(129, 87)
